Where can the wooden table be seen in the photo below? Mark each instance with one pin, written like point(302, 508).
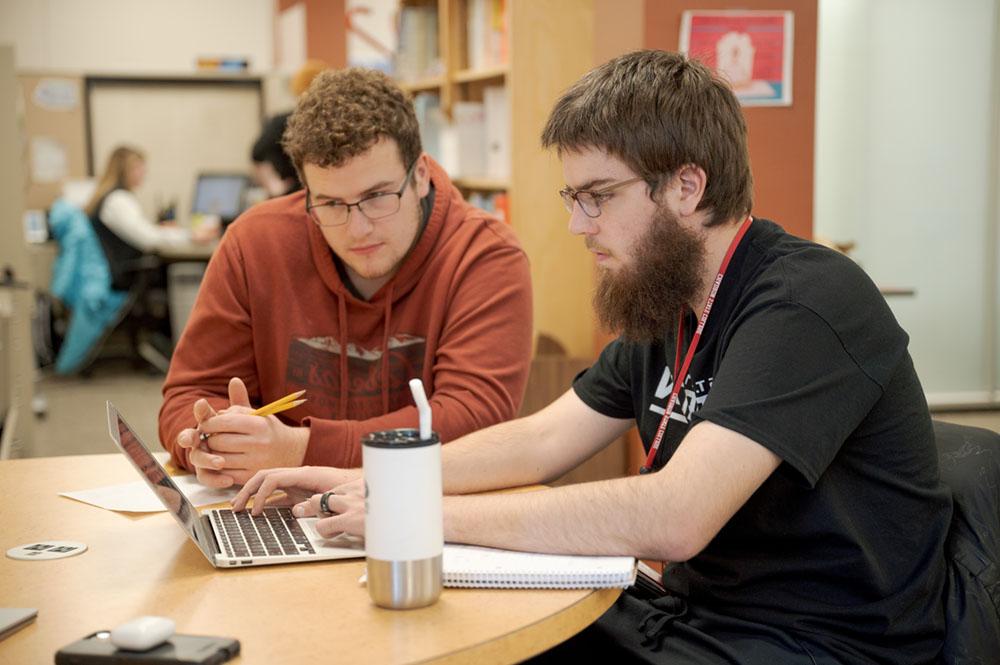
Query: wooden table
point(298, 613)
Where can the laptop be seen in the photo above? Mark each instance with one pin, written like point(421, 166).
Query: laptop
point(229, 539)
point(222, 194)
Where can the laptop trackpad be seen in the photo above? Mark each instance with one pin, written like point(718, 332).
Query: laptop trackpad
point(343, 545)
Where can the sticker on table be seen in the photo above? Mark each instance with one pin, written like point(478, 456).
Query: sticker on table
point(46, 549)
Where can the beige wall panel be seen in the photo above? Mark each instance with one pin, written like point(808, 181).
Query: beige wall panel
point(16, 356)
point(552, 46)
point(53, 129)
point(151, 36)
point(13, 252)
point(183, 129)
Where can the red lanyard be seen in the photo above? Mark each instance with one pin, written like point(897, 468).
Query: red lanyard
point(682, 374)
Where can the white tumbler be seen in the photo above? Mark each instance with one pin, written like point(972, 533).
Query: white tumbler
point(404, 530)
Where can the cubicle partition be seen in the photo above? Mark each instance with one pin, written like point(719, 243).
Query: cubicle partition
point(16, 370)
point(185, 125)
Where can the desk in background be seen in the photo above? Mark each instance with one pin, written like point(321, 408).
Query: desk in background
point(295, 613)
point(42, 257)
point(185, 269)
point(188, 252)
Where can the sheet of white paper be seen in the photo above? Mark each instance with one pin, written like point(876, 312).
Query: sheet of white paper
point(138, 498)
point(55, 94)
point(49, 160)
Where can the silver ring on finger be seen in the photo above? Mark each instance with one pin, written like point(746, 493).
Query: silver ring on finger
point(324, 506)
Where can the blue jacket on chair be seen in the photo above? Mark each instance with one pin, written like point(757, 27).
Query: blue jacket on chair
point(81, 279)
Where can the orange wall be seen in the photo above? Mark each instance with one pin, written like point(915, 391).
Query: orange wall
point(326, 36)
point(781, 137)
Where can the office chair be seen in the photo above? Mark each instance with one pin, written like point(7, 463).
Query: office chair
point(82, 281)
point(970, 468)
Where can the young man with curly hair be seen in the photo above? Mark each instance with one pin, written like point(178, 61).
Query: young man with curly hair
point(376, 273)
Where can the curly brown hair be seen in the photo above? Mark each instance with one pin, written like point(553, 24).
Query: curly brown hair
point(344, 113)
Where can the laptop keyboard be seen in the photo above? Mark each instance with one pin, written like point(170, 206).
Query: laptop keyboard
point(276, 532)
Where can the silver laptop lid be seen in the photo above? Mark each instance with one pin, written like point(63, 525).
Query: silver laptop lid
point(159, 481)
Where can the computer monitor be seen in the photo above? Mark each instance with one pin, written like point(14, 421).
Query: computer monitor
point(219, 194)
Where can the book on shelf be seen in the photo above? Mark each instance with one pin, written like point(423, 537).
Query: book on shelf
point(485, 567)
point(501, 207)
point(431, 118)
point(448, 150)
point(486, 34)
point(476, 143)
point(469, 120)
point(417, 52)
point(495, 203)
point(496, 113)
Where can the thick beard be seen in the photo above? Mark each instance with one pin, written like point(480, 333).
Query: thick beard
point(641, 301)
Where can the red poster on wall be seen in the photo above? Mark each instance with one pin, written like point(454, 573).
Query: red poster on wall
point(751, 49)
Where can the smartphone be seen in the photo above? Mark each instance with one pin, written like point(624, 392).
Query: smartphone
point(179, 650)
point(13, 619)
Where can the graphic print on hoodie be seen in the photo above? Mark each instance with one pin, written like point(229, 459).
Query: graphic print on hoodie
point(314, 364)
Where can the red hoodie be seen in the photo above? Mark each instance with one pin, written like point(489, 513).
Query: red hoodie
point(274, 311)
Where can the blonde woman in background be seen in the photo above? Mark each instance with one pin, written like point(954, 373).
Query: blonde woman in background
point(125, 232)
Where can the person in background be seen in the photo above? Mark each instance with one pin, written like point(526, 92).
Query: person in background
point(377, 273)
point(796, 493)
point(125, 231)
point(273, 168)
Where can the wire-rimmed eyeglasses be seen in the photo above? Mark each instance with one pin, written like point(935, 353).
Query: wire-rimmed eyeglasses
point(374, 206)
point(590, 200)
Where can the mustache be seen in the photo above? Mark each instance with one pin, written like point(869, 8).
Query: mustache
point(594, 247)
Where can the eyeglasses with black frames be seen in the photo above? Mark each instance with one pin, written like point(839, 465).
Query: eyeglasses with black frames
point(374, 206)
point(590, 200)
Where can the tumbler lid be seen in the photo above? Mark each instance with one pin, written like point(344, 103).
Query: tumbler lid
point(406, 437)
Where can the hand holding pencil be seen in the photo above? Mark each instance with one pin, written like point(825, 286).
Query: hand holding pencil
point(277, 406)
point(227, 447)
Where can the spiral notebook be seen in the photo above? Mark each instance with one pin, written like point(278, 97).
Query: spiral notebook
point(484, 567)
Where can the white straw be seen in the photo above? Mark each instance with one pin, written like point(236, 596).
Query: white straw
point(423, 407)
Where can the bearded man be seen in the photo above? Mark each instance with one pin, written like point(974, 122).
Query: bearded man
point(791, 478)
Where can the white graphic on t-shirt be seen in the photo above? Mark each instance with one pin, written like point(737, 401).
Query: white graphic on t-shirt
point(690, 399)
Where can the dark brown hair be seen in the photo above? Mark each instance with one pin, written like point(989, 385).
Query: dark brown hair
point(658, 111)
point(344, 113)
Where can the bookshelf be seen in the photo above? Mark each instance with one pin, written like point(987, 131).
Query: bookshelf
point(482, 184)
point(497, 73)
point(428, 84)
point(545, 47)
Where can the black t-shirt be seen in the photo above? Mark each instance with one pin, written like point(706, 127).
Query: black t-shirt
point(843, 544)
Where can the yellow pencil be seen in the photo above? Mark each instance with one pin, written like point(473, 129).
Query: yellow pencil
point(277, 406)
point(283, 404)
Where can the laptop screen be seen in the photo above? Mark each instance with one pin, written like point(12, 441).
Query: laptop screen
point(158, 480)
point(219, 194)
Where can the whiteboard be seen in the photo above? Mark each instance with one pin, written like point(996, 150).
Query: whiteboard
point(184, 126)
